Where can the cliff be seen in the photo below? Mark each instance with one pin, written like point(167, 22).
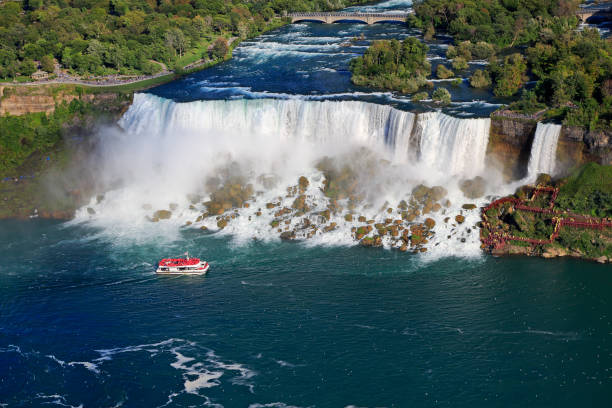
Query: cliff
point(511, 137)
point(510, 142)
point(22, 100)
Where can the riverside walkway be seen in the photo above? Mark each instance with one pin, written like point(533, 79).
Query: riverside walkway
point(367, 18)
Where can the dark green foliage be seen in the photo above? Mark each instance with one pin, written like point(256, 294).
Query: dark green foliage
point(393, 64)
point(20, 136)
point(480, 79)
point(588, 191)
point(121, 36)
point(510, 76)
point(442, 96)
point(503, 22)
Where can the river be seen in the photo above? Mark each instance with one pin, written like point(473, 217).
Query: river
point(84, 321)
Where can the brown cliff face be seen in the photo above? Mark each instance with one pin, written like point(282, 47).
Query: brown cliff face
point(578, 145)
point(29, 99)
point(510, 143)
point(509, 147)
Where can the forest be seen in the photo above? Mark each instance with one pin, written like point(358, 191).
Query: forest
point(536, 54)
point(105, 37)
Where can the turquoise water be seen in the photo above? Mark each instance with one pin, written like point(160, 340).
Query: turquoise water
point(84, 321)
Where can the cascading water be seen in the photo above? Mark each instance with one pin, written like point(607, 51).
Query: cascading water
point(169, 151)
point(456, 146)
point(543, 150)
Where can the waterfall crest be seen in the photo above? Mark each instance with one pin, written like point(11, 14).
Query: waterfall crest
point(543, 150)
point(452, 145)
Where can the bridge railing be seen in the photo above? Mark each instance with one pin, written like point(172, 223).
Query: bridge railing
point(331, 14)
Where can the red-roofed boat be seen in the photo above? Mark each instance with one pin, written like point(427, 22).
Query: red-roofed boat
point(182, 266)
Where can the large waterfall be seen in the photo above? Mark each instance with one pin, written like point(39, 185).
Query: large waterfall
point(170, 152)
point(375, 126)
point(543, 150)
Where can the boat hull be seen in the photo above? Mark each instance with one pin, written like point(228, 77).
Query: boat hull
point(170, 271)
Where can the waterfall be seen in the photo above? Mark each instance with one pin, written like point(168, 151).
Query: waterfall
point(452, 145)
point(543, 150)
point(378, 127)
point(175, 155)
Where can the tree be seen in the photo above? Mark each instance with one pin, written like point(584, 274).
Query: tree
point(480, 79)
point(460, 63)
point(175, 40)
point(510, 76)
point(441, 96)
point(47, 63)
point(220, 48)
point(27, 67)
point(443, 73)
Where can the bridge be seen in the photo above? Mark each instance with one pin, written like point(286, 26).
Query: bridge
point(366, 18)
point(600, 10)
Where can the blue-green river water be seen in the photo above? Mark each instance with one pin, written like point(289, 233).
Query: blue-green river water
point(85, 322)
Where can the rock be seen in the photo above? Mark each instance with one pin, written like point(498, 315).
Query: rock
point(602, 259)
point(330, 227)
point(274, 223)
point(430, 223)
point(348, 217)
point(404, 248)
point(188, 223)
point(91, 211)
point(460, 219)
point(99, 198)
point(271, 205)
point(468, 206)
point(162, 214)
point(299, 203)
point(422, 249)
point(553, 252)
point(420, 192)
point(222, 223)
point(473, 188)
point(437, 193)
point(287, 235)
point(361, 218)
point(436, 207)
point(173, 206)
point(402, 205)
point(303, 183)
point(204, 228)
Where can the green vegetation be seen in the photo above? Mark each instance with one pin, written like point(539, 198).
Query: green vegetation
point(22, 136)
point(130, 37)
point(510, 76)
point(501, 22)
point(480, 79)
point(460, 63)
point(588, 191)
point(402, 66)
point(419, 96)
point(442, 96)
point(444, 73)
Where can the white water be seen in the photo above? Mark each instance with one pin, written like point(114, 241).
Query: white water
point(452, 145)
point(169, 150)
point(543, 150)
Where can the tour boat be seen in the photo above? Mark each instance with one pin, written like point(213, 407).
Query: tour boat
point(182, 266)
